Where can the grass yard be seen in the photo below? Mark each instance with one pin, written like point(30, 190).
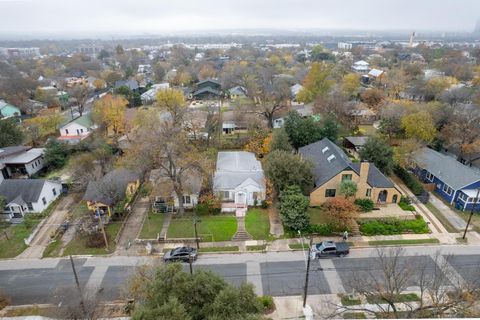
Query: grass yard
point(53, 249)
point(211, 228)
point(219, 249)
point(152, 226)
point(78, 245)
point(404, 297)
point(257, 248)
point(354, 315)
point(80, 209)
point(257, 223)
point(475, 218)
point(317, 216)
point(298, 246)
point(444, 221)
point(347, 301)
point(16, 233)
point(397, 242)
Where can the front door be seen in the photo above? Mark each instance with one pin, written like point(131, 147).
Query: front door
point(241, 198)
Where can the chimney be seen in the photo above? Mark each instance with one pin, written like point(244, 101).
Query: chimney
point(364, 168)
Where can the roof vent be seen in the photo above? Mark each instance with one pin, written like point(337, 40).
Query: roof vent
point(330, 158)
point(324, 149)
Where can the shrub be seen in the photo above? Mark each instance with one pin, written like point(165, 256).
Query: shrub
point(208, 204)
point(293, 208)
point(323, 229)
point(267, 302)
point(410, 181)
point(365, 205)
point(264, 204)
point(405, 204)
point(5, 301)
point(393, 226)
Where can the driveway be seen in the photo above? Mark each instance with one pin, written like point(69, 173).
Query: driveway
point(133, 225)
point(53, 222)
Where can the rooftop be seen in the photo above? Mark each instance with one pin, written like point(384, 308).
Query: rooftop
point(26, 157)
point(446, 168)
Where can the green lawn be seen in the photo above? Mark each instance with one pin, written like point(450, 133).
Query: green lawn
point(218, 249)
point(80, 210)
point(210, 228)
point(298, 246)
point(53, 249)
point(78, 245)
point(317, 216)
point(440, 217)
point(257, 248)
point(152, 226)
point(395, 242)
point(257, 223)
point(347, 301)
point(404, 297)
point(16, 233)
point(354, 315)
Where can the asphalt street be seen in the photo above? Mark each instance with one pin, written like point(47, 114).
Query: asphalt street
point(28, 281)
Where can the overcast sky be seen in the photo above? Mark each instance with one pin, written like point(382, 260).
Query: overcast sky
point(77, 17)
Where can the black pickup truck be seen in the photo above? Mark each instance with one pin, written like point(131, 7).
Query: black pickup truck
point(330, 248)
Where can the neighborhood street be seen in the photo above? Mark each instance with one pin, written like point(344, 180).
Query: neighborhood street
point(28, 281)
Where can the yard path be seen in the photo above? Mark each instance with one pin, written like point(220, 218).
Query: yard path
point(133, 225)
point(434, 224)
point(448, 213)
point(53, 222)
point(276, 226)
point(166, 224)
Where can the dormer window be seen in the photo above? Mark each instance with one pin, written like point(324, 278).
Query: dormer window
point(330, 158)
point(324, 149)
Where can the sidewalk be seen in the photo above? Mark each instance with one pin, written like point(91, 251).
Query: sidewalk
point(448, 213)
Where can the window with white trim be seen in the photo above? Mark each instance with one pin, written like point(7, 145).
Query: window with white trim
point(447, 189)
point(430, 176)
point(369, 192)
point(463, 197)
point(226, 194)
point(186, 199)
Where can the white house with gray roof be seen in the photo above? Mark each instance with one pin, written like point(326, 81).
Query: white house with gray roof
point(25, 196)
point(454, 181)
point(239, 180)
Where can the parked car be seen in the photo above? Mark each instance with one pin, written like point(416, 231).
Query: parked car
point(180, 254)
point(330, 248)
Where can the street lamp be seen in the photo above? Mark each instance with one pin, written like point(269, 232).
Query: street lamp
point(475, 201)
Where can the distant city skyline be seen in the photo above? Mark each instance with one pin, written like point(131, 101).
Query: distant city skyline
point(30, 18)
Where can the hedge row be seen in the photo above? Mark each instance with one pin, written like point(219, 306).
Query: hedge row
point(410, 181)
point(393, 226)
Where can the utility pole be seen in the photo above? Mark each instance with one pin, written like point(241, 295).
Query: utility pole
point(100, 224)
point(82, 305)
point(196, 234)
point(475, 201)
point(190, 262)
point(305, 289)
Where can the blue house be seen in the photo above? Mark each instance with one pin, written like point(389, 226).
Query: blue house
point(454, 182)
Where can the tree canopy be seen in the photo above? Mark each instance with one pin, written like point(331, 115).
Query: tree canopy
point(379, 152)
point(293, 208)
point(10, 133)
point(167, 292)
point(285, 169)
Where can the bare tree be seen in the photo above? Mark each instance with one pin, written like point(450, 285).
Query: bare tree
point(164, 145)
point(440, 289)
point(80, 93)
point(71, 304)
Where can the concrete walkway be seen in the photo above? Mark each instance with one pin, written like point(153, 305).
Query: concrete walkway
point(434, 224)
point(133, 225)
point(448, 213)
point(53, 222)
point(276, 226)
